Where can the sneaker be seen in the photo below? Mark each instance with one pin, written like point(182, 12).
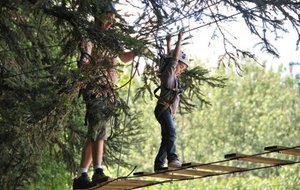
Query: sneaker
point(174, 164)
point(99, 176)
point(83, 182)
point(158, 169)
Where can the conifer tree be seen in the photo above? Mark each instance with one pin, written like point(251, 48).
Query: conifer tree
point(40, 112)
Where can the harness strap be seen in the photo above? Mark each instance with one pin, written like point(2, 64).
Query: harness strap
point(155, 91)
point(166, 106)
point(177, 90)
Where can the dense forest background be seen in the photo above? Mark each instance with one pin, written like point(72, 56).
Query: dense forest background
point(42, 119)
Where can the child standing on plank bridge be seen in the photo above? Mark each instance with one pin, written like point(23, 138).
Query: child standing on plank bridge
point(168, 101)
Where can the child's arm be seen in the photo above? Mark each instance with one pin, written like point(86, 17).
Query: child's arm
point(168, 76)
point(168, 38)
point(176, 52)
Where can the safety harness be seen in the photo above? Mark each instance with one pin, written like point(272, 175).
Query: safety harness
point(174, 91)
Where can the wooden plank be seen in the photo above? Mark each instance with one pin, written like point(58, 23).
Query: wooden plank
point(124, 184)
point(163, 174)
point(193, 172)
point(257, 159)
point(99, 185)
point(111, 188)
point(130, 182)
point(285, 150)
point(214, 167)
point(221, 168)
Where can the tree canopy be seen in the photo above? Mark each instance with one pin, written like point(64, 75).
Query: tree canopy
point(267, 20)
point(40, 113)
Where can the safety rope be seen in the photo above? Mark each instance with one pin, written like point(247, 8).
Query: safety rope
point(130, 79)
point(209, 23)
point(171, 21)
point(125, 117)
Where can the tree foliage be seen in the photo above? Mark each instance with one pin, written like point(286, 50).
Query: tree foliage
point(40, 112)
point(266, 20)
point(39, 81)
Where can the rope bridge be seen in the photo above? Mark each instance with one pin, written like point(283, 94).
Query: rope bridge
point(192, 171)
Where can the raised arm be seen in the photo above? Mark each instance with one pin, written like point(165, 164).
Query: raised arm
point(168, 38)
point(176, 52)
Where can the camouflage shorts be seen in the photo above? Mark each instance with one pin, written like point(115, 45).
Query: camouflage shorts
point(100, 111)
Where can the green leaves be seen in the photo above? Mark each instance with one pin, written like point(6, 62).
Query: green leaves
point(40, 114)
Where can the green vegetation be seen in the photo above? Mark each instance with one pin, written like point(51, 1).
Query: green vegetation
point(42, 119)
point(255, 110)
point(251, 112)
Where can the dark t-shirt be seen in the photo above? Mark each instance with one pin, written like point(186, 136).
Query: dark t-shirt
point(170, 85)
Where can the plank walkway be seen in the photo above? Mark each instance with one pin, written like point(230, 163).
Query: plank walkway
point(192, 171)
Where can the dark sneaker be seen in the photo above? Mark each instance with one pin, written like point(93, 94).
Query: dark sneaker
point(83, 182)
point(158, 168)
point(175, 164)
point(99, 176)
